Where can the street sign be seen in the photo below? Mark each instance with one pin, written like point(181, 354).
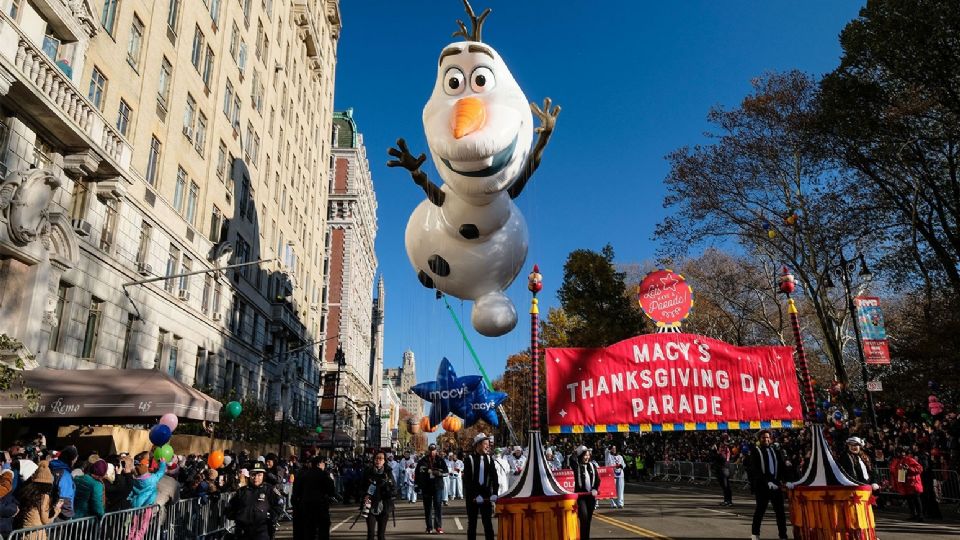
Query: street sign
point(874, 386)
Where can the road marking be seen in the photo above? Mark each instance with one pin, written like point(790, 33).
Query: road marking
point(457, 521)
point(717, 511)
point(337, 526)
point(630, 527)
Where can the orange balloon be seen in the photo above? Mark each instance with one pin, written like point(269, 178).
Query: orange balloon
point(215, 459)
point(452, 423)
point(425, 425)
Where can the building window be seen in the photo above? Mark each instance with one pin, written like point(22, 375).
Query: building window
point(109, 16)
point(173, 356)
point(98, 88)
point(208, 67)
point(214, 11)
point(166, 77)
point(196, 56)
point(15, 7)
point(201, 138)
point(173, 15)
point(228, 100)
point(241, 255)
point(92, 329)
point(234, 41)
point(205, 297)
point(161, 339)
point(123, 118)
point(201, 360)
point(180, 190)
point(221, 159)
point(236, 112)
point(242, 56)
point(109, 231)
point(153, 161)
point(229, 177)
point(80, 202)
point(173, 259)
point(127, 341)
point(215, 220)
point(189, 117)
point(185, 267)
point(246, 11)
point(56, 331)
point(143, 247)
point(136, 42)
point(192, 198)
point(217, 296)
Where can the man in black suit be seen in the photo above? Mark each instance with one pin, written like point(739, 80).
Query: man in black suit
point(480, 487)
point(430, 475)
point(312, 493)
point(766, 465)
point(586, 483)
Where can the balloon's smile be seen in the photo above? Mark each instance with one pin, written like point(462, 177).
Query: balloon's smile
point(500, 160)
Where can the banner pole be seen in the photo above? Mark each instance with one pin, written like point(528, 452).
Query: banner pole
point(535, 285)
point(787, 286)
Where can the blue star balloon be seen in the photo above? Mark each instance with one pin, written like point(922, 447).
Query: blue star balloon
point(483, 404)
point(448, 394)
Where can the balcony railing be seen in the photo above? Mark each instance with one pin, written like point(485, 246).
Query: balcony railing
point(46, 81)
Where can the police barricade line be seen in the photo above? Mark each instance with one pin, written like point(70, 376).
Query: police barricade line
point(659, 470)
point(738, 476)
point(686, 471)
point(673, 471)
point(75, 529)
point(701, 473)
point(134, 524)
point(947, 485)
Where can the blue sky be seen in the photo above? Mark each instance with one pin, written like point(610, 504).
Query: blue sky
point(635, 81)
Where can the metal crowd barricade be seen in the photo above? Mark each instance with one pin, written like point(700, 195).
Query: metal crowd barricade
point(701, 473)
point(75, 529)
point(949, 486)
point(135, 524)
point(686, 471)
point(738, 476)
point(659, 470)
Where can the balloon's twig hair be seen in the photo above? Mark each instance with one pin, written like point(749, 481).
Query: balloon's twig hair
point(476, 24)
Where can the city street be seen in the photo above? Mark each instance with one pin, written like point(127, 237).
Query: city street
point(654, 510)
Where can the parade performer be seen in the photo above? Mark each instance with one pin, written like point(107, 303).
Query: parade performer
point(586, 483)
point(516, 460)
point(615, 460)
point(481, 487)
point(766, 471)
point(431, 471)
point(854, 463)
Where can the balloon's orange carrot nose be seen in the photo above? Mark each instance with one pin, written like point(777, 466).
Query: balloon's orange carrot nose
point(469, 115)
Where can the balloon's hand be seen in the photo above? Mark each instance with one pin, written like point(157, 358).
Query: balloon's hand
point(404, 158)
point(547, 116)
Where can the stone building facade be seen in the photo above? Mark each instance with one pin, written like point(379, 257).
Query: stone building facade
point(402, 379)
point(350, 270)
point(147, 139)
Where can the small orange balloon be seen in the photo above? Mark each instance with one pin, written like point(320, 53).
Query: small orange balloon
point(425, 425)
point(452, 423)
point(215, 459)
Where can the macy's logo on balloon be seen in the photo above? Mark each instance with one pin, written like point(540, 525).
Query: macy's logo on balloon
point(449, 394)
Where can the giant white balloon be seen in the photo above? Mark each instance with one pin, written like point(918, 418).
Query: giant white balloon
point(468, 239)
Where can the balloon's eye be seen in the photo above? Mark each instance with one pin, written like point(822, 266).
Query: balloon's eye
point(482, 80)
point(454, 82)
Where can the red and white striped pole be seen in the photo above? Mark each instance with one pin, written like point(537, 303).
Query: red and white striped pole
point(787, 286)
point(535, 285)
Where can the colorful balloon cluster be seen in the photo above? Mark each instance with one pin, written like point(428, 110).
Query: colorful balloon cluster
point(160, 435)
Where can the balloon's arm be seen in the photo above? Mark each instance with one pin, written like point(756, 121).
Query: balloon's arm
point(548, 120)
point(406, 160)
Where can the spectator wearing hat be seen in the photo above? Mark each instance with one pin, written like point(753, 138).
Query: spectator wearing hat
point(256, 507)
point(63, 483)
point(855, 464)
point(89, 499)
point(516, 460)
point(767, 469)
point(480, 487)
point(586, 477)
point(118, 490)
point(35, 500)
point(431, 470)
point(8, 502)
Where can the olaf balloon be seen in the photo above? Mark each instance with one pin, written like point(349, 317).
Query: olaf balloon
point(468, 239)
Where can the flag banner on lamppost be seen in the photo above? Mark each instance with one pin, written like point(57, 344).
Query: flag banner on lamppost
point(671, 382)
point(872, 330)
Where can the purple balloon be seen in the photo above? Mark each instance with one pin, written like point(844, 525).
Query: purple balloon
point(160, 434)
point(170, 420)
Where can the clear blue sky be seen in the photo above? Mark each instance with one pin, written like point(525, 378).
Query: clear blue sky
point(635, 81)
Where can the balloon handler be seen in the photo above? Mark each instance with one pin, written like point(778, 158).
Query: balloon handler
point(468, 239)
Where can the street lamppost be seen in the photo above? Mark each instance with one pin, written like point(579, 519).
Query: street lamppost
point(341, 361)
point(846, 267)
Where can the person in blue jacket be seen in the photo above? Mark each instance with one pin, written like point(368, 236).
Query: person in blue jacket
point(143, 491)
point(61, 469)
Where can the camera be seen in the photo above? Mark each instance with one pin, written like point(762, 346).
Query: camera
point(368, 500)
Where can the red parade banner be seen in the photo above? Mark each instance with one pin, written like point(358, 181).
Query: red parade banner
point(607, 489)
point(669, 382)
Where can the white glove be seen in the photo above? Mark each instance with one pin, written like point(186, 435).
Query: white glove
point(771, 485)
point(479, 499)
point(876, 487)
point(493, 498)
point(593, 492)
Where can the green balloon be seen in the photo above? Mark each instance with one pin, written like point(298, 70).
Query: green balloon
point(319, 429)
point(164, 452)
point(234, 409)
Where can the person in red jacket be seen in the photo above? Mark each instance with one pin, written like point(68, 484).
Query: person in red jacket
point(905, 478)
